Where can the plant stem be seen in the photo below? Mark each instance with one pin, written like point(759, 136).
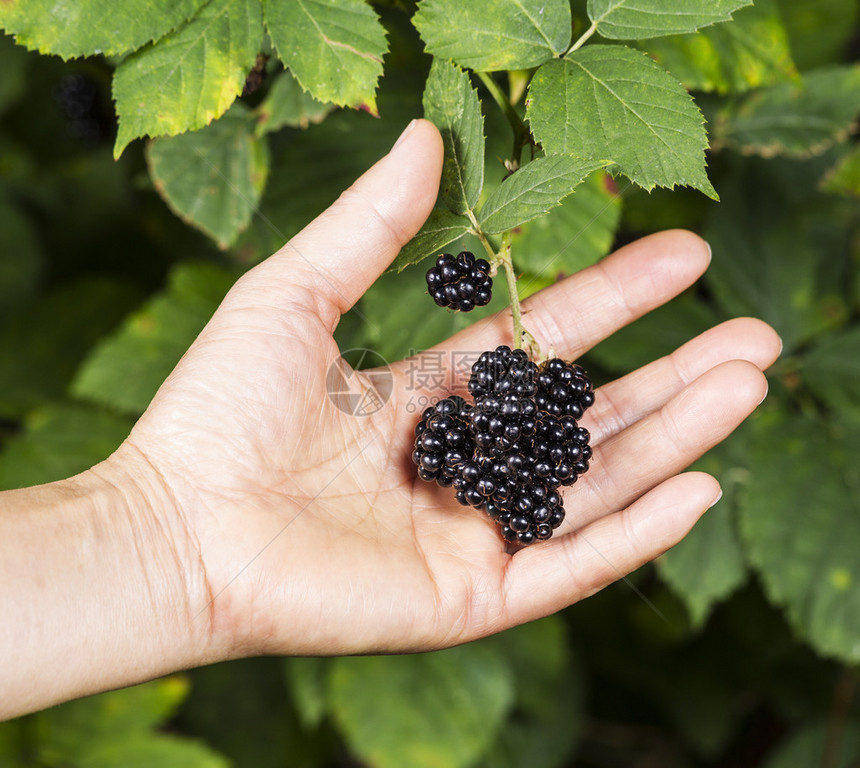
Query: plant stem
point(521, 133)
point(582, 38)
point(503, 257)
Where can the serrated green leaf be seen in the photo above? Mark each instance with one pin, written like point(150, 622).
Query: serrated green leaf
point(452, 105)
point(819, 32)
point(775, 272)
point(421, 710)
point(795, 120)
point(571, 237)
point(288, 105)
point(844, 177)
point(59, 441)
point(800, 522)
point(91, 27)
point(39, 353)
point(442, 227)
point(333, 47)
point(190, 77)
point(498, 35)
point(641, 19)
point(213, 178)
point(813, 744)
point(533, 190)
point(832, 370)
point(750, 52)
point(127, 368)
point(708, 564)
point(611, 102)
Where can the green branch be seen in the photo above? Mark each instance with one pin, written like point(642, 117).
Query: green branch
point(522, 135)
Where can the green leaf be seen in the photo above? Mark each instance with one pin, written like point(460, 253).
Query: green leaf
point(800, 522)
point(126, 369)
point(641, 19)
point(73, 729)
point(150, 750)
point(213, 178)
point(452, 105)
point(548, 715)
point(421, 710)
point(59, 441)
point(42, 343)
point(442, 227)
point(750, 52)
point(496, 35)
point(775, 272)
point(333, 47)
point(192, 76)
point(832, 369)
point(616, 103)
point(286, 104)
point(571, 237)
point(306, 680)
point(819, 32)
point(844, 177)
point(91, 27)
point(795, 120)
point(708, 564)
point(533, 190)
point(814, 744)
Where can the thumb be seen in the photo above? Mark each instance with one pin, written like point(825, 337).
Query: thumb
point(339, 254)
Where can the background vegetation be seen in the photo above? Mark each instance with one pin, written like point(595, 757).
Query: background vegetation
point(739, 648)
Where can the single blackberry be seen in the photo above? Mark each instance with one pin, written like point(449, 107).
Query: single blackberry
point(503, 371)
point(462, 282)
point(442, 441)
point(563, 389)
point(499, 424)
point(560, 449)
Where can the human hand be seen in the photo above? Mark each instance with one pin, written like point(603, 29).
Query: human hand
point(302, 529)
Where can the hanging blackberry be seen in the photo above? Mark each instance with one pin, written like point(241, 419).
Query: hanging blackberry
point(462, 282)
point(563, 389)
point(442, 440)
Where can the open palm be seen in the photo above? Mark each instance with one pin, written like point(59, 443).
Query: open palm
point(306, 529)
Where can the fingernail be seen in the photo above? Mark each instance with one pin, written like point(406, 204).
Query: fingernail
point(719, 496)
point(710, 251)
point(406, 131)
point(766, 388)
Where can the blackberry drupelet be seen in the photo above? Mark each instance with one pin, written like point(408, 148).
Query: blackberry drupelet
point(503, 371)
point(563, 389)
point(462, 282)
point(442, 440)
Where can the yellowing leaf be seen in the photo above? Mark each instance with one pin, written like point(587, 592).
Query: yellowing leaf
point(192, 76)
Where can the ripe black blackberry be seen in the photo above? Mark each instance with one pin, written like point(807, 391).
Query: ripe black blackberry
point(560, 449)
point(442, 440)
point(563, 389)
point(503, 371)
point(462, 282)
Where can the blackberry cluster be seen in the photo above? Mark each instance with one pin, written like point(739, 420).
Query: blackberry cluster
point(510, 451)
point(462, 282)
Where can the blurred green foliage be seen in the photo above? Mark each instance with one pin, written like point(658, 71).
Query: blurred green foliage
point(739, 649)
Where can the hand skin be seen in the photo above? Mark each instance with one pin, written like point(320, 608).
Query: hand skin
point(247, 515)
